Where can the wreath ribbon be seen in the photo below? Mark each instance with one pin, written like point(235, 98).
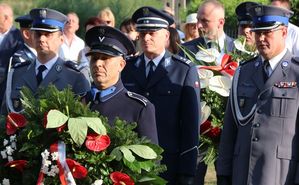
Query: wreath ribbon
point(65, 175)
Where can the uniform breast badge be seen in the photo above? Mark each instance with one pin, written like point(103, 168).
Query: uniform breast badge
point(286, 84)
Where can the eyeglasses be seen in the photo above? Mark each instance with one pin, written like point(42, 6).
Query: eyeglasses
point(266, 33)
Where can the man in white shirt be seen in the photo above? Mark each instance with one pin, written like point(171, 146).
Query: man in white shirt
point(72, 44)
point(292, 41)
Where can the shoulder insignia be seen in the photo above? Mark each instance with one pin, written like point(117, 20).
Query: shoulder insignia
point(181, 59)
point(138, 97)
point(247, 61)
point(21, 64)
point(71, 65)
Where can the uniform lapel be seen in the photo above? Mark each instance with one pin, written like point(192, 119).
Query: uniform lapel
point(53, 74)
point(280, 72)
point(257, 75)
point(139, 71)
point(161, 70)
point(30, 77)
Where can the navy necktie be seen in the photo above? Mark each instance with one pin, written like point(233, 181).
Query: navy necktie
point(151, 70)
point(39, 76)
point(266, 69)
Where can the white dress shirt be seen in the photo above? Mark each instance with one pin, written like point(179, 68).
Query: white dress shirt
point(71, 52)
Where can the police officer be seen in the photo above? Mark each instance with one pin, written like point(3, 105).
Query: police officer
point(245, 21)
point(48, 68)
point(260, 138)
point(108, 48)
point(171, 83)
point(27, 53)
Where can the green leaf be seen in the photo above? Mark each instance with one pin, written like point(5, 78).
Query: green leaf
point(143, 151)
point(133, 166)
point(116, 153)
point(127, 153)
point(55, 119)
point(96, 125)
point(78, 130)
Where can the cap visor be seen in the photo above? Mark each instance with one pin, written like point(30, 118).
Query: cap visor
point(106, 52)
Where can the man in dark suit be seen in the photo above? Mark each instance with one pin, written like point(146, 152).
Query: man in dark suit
point(171, 83)
point(27, 52)
point(260, 138)
point(108, 49)
point(10, 41)
point(210, 22)
point(48, 68)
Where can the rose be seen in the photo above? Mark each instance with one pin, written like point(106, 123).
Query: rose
point(119, 178)
point(78, 171)
point(205, 127)
point(13, 122)
point(97, 143)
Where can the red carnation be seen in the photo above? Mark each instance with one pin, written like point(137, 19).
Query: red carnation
point(119, 178)
point(13, 122)
point(18, 164)
point(205, 127)
point(97, 143)
point(78, 171)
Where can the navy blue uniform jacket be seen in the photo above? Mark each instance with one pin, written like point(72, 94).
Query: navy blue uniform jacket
point(174, 91)
point(130, 107)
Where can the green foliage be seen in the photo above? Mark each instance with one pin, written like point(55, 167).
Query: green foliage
point(137, 157)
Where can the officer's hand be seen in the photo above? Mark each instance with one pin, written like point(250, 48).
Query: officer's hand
point(185, 180)
point(224, 180)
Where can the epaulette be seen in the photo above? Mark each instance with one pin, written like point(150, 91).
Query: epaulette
point(247, 61)
point(71, 65)
point(138, 97)
point(295, 59)
point(181, 59)
point(21, 64)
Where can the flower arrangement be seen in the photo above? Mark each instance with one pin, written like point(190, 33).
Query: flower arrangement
point(59, 140)
point(215, 70)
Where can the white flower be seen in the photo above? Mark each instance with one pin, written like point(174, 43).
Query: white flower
point(5, 142)
point(51, 173)
point(55, 168)
point(205, 111)
point(45, 154)
point(54, 156)
point(9, 150)
point(4, 155)
point(98, 182)
point(9, 158)
point(220, 84)
point(241, 46)
point(46, 162)
point(45, 169)
point(204, 76)
point(13, 138)
point(5, 181)
point(207, 55)
point(13, 145)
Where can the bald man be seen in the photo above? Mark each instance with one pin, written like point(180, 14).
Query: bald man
point(10, 41)
point(210, 22)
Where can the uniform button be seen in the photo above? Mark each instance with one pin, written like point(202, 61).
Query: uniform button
point(168, 92)
point(257, 125)
point(147, 93)
point(259, 111)
point(255, 139)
